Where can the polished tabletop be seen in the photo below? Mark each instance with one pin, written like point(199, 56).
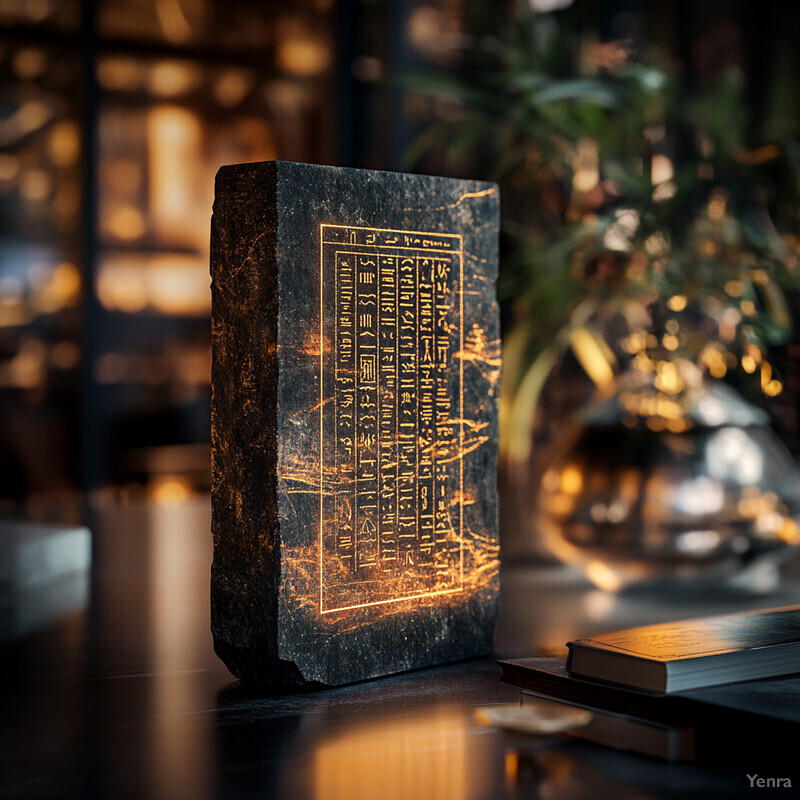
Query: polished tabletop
point(111, 687)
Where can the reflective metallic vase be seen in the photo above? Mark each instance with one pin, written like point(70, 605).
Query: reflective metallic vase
point(638, 491)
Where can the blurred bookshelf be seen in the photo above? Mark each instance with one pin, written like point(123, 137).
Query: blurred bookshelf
point(116, 115)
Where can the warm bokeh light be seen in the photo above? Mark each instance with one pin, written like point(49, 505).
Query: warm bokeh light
point(174, 135)
point(126, 223)
point(28, 368)
point(748, 308)
point(170, 490)
point(171, 78)
point(29, 117)
point(177, 286)
point(232, 85)
point(790, 532)
point(603, 577)
point(717, 206)
point(714, 360)
point(301, 52)
point(121, 287)
point(571, 480)
point(58, 288)
point(586, 165)
point(29, 63)
point(734, 288)
point(661, 169)
point(677, 302)
point(120, 73)
point(620, 233)
point(670, 342)
point(668, 378)
point(65, 355)
point(172, 17)
point(64, 144)
point(173, 285)
point(35, 185)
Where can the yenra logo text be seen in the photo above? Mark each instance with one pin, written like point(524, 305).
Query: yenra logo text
point(768, 783)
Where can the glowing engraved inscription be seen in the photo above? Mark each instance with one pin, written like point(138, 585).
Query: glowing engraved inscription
point(391, 405)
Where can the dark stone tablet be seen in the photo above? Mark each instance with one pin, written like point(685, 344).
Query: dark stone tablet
point(356, 359)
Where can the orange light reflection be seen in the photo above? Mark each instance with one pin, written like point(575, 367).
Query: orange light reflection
point(425, 757)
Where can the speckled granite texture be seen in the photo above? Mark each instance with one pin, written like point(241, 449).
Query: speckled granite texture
point(356, 362)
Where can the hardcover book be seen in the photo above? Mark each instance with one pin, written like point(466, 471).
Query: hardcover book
point(690, 654)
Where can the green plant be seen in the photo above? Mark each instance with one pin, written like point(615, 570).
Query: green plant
point(627, 196)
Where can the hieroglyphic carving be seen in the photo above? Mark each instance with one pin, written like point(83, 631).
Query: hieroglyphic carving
point(391, 470)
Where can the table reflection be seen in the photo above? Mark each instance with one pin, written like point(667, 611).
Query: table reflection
point(427, 756)
point(153, 614)
point(120, 695)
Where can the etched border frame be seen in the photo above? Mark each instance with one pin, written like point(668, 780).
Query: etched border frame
point(379, 250)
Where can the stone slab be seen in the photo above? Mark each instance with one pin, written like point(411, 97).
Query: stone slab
point(356, 362)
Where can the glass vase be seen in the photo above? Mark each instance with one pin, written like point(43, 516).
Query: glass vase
point(647, 487)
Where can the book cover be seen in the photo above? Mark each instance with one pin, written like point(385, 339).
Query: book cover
point(688, 654)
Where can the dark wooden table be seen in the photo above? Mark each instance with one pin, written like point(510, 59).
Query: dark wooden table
point(111, 688)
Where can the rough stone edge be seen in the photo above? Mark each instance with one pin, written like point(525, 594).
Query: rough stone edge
point(245, 523)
